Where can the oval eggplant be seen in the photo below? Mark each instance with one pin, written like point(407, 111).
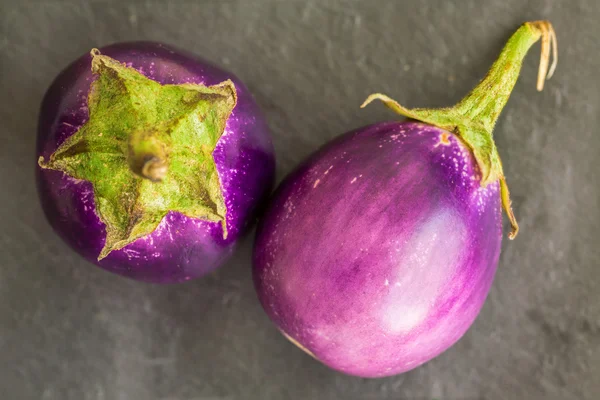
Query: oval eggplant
point(369, 291)
point(152, 162)
point(378, 252)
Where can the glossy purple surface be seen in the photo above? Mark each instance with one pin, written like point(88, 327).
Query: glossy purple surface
point(181, 248)
point(378, 252)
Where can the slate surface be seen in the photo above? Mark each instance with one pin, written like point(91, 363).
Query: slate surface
point(71, 331)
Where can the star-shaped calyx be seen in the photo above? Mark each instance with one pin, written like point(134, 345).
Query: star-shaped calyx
point(147, 150)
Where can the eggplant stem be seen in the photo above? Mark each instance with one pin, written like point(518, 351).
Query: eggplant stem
point(549, 49)
point(474, 117)
point(554, 52)
point(154, 169)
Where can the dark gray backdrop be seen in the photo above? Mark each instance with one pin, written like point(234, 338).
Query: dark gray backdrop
point(71, 331)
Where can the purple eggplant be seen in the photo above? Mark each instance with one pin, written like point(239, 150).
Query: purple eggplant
point(378, 252)
point(152, 162)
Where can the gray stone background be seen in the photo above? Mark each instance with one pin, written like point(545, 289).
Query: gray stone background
point(71, 331)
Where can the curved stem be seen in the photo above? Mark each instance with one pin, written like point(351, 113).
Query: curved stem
point(486, 101)
point(474, 117)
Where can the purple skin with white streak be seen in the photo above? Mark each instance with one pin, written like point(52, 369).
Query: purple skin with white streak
point(181, 248)
point(378, 252)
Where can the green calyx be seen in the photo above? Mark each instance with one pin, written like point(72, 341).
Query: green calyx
point(474, 117)
point(147, 150)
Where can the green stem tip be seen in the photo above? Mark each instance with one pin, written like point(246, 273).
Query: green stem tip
point(148, 154)
point(474, 117)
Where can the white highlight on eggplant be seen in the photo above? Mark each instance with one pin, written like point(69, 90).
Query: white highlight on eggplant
point(427, 263)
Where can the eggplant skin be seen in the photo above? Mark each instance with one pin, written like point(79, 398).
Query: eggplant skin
point(181, 248)
point(377, 253)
